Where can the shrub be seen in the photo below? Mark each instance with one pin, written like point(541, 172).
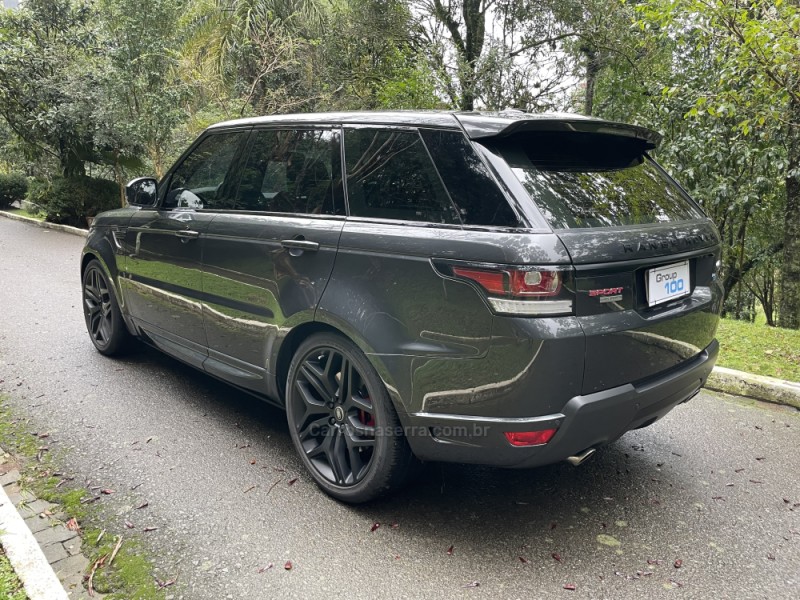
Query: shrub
point(38, 192)
point(12, 189)
point(71, 199)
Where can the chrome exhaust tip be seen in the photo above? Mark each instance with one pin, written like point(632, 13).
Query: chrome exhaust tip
point(581, 458)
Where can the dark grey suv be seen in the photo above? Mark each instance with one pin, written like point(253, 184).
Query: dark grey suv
point(504, 289)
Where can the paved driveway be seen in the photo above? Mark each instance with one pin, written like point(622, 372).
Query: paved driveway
point(715, 485)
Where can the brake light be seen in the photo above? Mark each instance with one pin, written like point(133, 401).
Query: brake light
point(514, 282)
point(529, 438)
point(493, 282)
point(521, 291)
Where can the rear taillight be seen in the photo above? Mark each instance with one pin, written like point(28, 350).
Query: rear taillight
point(522, 291)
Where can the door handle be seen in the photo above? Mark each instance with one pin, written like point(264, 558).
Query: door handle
point(188, 234)
point(301, 245)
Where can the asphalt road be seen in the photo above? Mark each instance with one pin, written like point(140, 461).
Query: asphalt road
point(715, 485)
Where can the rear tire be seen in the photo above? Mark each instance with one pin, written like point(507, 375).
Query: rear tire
point(343, 423)
point(104, 321)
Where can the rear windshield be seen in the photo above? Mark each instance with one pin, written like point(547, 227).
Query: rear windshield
point(581, 181)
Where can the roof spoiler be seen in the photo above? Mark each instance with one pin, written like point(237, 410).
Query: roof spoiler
point(482, 127)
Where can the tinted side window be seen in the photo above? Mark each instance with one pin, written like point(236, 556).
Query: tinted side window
point(475, 194)
point(293, 171)
point(204, 179)
point(390, 176)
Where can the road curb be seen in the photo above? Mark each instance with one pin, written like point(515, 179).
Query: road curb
point(45, 224)
point(26, 556)
point(758, 387)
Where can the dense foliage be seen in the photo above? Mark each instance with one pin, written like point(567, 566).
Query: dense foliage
point(115, 88)
point(70, 200)
point(13, 188)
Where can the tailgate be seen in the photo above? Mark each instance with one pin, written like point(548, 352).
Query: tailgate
point(633, 332)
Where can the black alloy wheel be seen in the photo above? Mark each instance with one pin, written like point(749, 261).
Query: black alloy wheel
point(342, 421)
point(103, 319)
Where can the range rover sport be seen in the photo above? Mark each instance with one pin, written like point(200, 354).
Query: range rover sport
point(504, 289)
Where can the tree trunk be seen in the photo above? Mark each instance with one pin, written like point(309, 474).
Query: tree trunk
point(475, 29)
point(592, 71)
point(789, 311)
point(71, 165)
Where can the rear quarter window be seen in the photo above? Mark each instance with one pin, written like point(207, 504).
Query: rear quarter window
point(390, 176)
point(476, 195)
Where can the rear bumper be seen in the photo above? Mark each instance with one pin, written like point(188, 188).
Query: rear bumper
point(585, 421)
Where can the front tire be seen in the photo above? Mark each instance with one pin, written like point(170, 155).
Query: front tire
point(101, 311)
point(342, 421)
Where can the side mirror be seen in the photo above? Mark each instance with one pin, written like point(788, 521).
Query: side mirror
point(142, 191)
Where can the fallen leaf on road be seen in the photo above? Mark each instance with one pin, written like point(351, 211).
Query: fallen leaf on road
point(267, 568)
point(557, 557)
point(107, 492)
point(129, 525)
point(450, 551)
point(523, 560)
point(288, 566)
point(653, 561)
point(570, 586)
point(473, 584)
point(738, 470)
point(253, 461)
point(143, 505)
point(146, 529)
point(770, 556)
point(678, 563)
point(395, 525)
point(761, 458)
point(755, 481)
point(374, 526)
point(72, 525)
point(164, 584)
point(293, 481)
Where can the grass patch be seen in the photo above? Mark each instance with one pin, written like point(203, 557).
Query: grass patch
point(130, 576)
point(759, 349)
point(24, 213)
point(10, 585)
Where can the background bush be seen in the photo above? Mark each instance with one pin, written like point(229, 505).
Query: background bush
point(70, 200)
point(38, 193)
point(12, 188)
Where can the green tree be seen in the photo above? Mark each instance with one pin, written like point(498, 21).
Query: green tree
point(756, 49)
point(144, 93)
point(48, 79)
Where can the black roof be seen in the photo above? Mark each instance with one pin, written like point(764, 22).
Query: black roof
point(477, 125)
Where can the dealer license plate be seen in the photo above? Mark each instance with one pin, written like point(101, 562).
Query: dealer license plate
point(667, 283)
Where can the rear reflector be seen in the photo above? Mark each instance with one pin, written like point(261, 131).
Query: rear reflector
point(529, 438)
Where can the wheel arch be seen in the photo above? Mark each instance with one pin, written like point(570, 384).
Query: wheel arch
point(101, 251)
point(328, 323)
